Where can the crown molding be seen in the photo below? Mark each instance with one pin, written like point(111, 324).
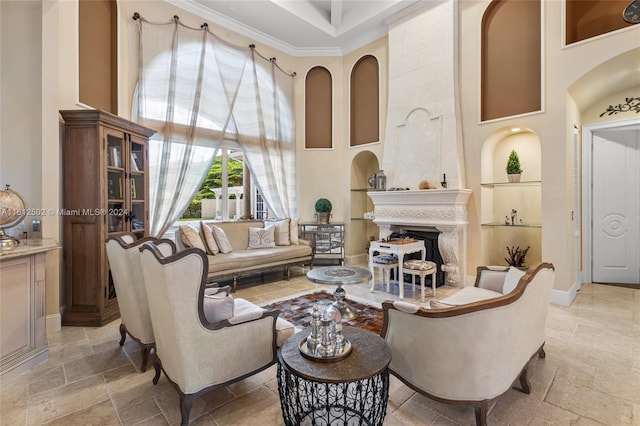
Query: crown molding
point(218, 20)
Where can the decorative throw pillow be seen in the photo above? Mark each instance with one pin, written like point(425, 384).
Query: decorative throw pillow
point(511, 279)
point(190, 237)
point(209, 240)
point(436, 304)
point(281, 232)
point(293, 231)
point(262, 237)
point(221, 239)
point(218, 307)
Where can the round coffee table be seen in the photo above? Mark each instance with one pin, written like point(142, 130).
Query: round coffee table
point(340, 275)
point(354, 390)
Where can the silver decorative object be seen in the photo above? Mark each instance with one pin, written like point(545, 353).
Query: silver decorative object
point(326, 341)
point(326, 348)
point(314, 336)
point(381, 181)
point(12, 212)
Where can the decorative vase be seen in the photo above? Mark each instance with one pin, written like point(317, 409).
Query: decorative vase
point(372, 181)
point(514, 178)
point(381, 181)
point(323, 217)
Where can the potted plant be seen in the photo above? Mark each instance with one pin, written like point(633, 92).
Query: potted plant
point(516, 256)
point(323, 210)
point(513, 167)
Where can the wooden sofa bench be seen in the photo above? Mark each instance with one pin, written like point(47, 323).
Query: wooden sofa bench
point(239, 259)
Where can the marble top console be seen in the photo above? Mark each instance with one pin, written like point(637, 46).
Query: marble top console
point(23, 340)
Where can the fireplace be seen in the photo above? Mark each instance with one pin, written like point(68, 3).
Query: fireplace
point(444, 210)
point(423, 145)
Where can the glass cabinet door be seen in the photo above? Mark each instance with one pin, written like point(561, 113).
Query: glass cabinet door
point(116, 179)
point(137, 185)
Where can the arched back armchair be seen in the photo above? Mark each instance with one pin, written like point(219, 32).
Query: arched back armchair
point(472, 353)
point(195, 355)
point(124, 262)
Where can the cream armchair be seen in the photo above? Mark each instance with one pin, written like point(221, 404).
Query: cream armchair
point(472, 353)
point(195, 355)
point(124, 262)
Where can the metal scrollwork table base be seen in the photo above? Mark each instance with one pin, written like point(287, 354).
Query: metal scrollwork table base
point(351, 391)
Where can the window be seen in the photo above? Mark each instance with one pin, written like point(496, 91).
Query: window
point(224, 191)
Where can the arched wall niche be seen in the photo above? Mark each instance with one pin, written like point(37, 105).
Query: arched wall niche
point(499, 197)
point(365, 101)
point(361, 230)
point(511, 52)
point(318, 102)
point(590, 18)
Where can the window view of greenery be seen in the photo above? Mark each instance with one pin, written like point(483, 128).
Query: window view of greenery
point(211, 188)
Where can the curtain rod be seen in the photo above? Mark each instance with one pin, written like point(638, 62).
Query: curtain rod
point(205, 27)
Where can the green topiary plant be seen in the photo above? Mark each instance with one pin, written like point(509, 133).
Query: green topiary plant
point(513, 164)
point(323, 205)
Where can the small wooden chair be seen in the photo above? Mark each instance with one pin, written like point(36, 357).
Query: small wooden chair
point(386, 263)
point(421, 268)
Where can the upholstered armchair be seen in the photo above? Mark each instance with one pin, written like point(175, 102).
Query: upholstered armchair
point(124, 262)
point(469, 354)
point(197, 355)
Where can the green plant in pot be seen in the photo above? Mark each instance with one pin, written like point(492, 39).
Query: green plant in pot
point(513, 167)
point(323, 210)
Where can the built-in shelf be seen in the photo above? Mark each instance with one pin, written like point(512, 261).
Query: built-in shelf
point(526, 225)
point(526, 183)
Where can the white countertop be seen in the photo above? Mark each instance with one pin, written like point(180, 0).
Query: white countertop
point(30, 247)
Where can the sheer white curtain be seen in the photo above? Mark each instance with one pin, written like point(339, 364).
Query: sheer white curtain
point(194, 89)
point(263, 116)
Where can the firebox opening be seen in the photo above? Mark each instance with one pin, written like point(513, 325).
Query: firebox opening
point(430, 238)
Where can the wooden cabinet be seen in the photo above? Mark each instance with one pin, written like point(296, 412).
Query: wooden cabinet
point(105, 191)
point(23, 339)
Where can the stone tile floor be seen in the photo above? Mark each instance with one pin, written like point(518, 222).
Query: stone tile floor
point(591, 375)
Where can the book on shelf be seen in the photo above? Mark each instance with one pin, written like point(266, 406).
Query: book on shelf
point(134, 164)
point(137, 161)
point(114, 156)
point(134, 195)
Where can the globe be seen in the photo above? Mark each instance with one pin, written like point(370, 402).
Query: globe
point(12, 212)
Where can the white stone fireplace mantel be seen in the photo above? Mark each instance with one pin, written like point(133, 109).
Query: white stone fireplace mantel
point(443, 209)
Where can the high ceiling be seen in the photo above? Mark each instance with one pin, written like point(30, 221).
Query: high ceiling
point(304, 27)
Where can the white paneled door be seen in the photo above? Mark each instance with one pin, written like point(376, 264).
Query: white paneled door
point(616, 206)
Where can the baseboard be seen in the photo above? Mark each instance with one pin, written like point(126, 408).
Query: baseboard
point(356, 259)
point(565, 297)
point(53, 323)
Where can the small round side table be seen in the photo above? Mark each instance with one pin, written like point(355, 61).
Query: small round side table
point(354, 390)
point(340, 276)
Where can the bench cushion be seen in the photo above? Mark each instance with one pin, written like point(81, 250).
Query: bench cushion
point(243, 258)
